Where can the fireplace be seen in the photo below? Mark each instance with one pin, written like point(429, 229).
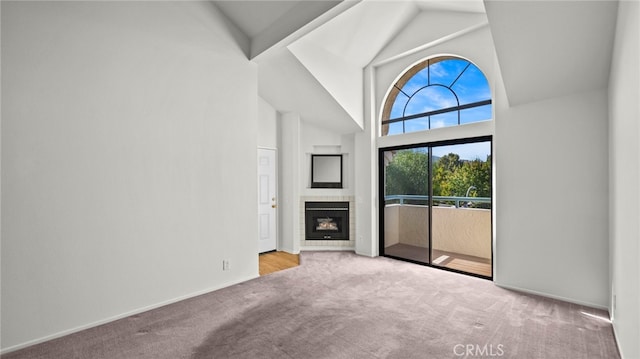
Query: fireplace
point(326, 221)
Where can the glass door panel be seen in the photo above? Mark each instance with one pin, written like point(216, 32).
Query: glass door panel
point(461, 212)
point(405, 177)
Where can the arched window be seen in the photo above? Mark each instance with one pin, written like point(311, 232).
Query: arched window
point(438, 92)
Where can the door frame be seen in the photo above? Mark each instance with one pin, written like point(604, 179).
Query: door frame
point(277, 208)
point(381, 195)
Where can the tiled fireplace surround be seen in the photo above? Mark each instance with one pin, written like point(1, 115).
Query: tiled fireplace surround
point(329, 244)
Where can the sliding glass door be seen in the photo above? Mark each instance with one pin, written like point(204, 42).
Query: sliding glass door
point(406, 203)
point(437, 204)
point(461, 207)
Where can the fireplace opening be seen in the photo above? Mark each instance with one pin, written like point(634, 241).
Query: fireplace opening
point(327, 220)
point(327, 224)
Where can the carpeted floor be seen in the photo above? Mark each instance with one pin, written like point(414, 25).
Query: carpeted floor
point(340, 305)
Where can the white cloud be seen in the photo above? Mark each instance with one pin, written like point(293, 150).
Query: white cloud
point(438, 124)
point(437, 70)
point(430, 99)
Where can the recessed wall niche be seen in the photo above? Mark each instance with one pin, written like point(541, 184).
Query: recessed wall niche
point(326, 171)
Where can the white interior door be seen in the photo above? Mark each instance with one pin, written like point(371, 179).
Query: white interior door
point(267, 205)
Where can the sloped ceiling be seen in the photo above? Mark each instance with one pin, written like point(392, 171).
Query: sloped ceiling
point(289, 87)
point(255, 17)
point(549, 49)
point(336, 53)
point(311, 56)
point(268, 22)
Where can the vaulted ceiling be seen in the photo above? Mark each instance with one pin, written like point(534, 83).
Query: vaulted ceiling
point(311, 54)
point(552, 48)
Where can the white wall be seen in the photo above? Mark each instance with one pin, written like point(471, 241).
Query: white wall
point(297, 140)
point(128, 161)
point(547, 156)
point(552, 185)
point(289, 182)
point(316, 140)
point(267, 125)
point(624, 177)
point(476, 45)
point(366, 174)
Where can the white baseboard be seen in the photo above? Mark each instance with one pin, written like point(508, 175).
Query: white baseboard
point(326, 248)
point(119, 316)
point(543, 294)
point(366, 254)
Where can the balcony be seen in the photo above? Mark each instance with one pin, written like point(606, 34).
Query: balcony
point(461, 231)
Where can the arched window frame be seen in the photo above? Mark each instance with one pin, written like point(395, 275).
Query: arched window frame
point(396, 89)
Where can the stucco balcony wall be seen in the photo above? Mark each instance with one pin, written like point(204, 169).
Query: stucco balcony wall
point(458, 230)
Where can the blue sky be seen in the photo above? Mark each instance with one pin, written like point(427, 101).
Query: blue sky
point(471, 87)
point(417, 97)
point(467, 151)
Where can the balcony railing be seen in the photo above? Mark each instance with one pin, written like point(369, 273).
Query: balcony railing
point(457, 226)
point(459, 202)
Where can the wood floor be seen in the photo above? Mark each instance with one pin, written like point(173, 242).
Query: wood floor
point(469, 264)
point(274, 261)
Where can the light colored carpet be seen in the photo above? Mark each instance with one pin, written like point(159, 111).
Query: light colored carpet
point(340, 305)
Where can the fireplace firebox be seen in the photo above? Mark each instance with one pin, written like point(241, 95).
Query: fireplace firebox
point(326, 220)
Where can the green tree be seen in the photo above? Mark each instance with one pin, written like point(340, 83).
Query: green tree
point(407, 173)
point(443, 169)
point(474, 175)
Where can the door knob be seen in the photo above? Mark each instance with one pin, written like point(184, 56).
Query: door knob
point(273, 206)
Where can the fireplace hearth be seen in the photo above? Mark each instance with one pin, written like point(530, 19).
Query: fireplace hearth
point(327, 221)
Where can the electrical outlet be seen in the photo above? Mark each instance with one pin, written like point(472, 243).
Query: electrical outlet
point(225, 264)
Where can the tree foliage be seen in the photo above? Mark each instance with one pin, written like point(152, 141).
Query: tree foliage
point(453, 177)
point(443, 170)
point(407, 174)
